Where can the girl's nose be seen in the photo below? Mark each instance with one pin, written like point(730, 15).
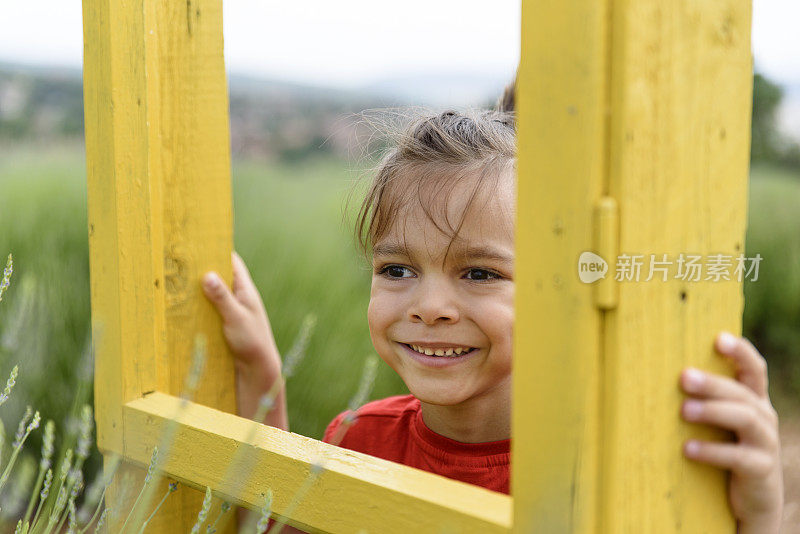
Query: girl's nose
point(433, 303)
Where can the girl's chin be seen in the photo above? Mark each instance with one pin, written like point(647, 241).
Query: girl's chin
point(435, 394)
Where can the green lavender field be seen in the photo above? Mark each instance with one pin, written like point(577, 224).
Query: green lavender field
point(289, 229)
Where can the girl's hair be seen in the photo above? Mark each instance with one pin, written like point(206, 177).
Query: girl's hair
point(436, 153)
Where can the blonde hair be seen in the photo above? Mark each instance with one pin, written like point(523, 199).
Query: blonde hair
point(478, 143)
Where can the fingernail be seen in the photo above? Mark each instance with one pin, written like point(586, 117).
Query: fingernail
point(727, 342)
point(694, 378)
point(692, 408)
point(692, 447)
point(211, 280)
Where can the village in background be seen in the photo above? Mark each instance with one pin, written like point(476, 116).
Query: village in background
point(275, 120)
point(271, 120)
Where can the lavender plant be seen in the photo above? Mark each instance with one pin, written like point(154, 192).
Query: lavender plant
point(6, 276)
point(318, 465)
point(203, 514)
point(52, 502)
point(171, 488)
point(263, 521)
point(55, 504)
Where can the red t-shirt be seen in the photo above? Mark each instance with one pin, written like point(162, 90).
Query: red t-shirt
point(393, 429)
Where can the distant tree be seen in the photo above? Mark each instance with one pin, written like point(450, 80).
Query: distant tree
point(766, 140)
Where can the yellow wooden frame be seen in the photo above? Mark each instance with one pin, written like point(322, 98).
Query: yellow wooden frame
point(633, 138)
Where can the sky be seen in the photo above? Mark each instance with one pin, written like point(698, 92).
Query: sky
point(350, 43)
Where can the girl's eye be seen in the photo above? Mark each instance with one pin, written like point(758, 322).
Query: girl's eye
point(396, 271)
point(482, 274)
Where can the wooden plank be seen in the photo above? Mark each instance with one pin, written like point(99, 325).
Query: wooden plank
point(123, 248)
point(648, 103)
point(158, 157)
point(355, 491)
point(561, 170)
point(679, 144)
point(127, 315)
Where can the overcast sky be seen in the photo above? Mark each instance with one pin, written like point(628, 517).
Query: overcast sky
point(352, 42)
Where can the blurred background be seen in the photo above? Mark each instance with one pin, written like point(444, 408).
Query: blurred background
point(298, 72)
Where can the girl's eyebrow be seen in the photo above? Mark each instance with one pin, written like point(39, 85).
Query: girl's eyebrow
point(389, 249)
point(472, 253)
point(485, 253)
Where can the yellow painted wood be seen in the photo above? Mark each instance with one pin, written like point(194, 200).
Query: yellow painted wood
point(606, 228)
point(647, 102)
point(355, 491)
point(561, 169)
point(679, 144)
point(158, 156)
point(127, 314)
point(123, 243)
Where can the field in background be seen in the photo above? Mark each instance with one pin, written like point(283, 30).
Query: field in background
point(289, 229)
point(771, 318)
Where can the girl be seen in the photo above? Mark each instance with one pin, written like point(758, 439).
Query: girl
point(438, 222)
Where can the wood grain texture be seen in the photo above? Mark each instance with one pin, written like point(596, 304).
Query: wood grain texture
point(681, 99)
point(160, 208)
point(355, 491)
point(561, 171)
point(648, 103)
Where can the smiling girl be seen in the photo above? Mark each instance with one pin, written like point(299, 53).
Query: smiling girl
point(438, 226)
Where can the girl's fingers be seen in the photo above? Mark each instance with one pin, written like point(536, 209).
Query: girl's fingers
point(243, 286)
point(240, 273)
point(712, 386)
point(749, 424)
point(219, 294)
point(751, 366)
point(743, 460)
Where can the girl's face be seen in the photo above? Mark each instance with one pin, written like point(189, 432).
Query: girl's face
point(425, 308)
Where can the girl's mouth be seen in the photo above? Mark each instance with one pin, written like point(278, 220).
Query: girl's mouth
point(446, 352)
point(433, 360)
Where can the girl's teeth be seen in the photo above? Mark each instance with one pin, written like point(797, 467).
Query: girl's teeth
point(439, 352)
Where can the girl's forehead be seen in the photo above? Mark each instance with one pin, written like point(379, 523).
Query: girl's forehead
point(461, 222)
point(422, 240)
point(449, 194)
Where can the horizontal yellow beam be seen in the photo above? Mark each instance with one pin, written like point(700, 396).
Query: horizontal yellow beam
point(354, 491)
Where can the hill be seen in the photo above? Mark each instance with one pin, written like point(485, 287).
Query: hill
point(270, 119)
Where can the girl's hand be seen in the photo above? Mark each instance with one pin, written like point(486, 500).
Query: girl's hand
point(244, 321)
point(742, 406)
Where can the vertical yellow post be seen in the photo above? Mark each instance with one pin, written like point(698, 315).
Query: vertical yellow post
point(158, 158)
point(632, 114)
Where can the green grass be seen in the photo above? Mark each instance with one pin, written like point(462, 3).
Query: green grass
point(772, 303)
point(289, 230)
point(44, 316)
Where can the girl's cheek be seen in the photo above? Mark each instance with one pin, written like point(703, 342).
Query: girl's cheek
point(371, 315)
point(378, 312)
point(380, 319)
point(499, 322)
